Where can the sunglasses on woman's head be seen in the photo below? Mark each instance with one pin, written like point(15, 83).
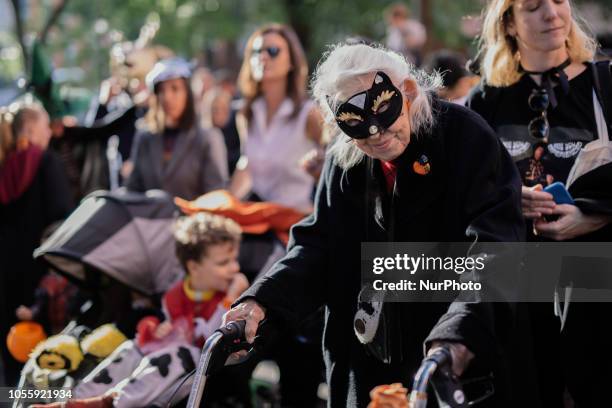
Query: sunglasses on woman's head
point(271, 51)
point(538, 102)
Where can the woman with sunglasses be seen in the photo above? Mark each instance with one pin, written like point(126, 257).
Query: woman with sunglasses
point(281, 124)
point(538, 90)
point(403, 166)
point(174, 153)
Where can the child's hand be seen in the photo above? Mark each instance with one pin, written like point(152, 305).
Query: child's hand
point(163, 330)
point(238, 285)
point(24, 313)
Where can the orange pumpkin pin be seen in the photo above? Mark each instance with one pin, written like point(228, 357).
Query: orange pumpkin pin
point(421, 166)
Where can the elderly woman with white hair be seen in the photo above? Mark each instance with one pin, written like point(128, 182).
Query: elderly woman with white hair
point(404, 166)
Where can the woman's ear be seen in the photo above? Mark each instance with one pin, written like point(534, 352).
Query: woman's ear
point(510, 27)
point(410, 91)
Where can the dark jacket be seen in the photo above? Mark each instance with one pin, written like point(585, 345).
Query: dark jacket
point(472, 185)
point(22, 222)
point(198, 164)
point(547, 362)
point(83, 148)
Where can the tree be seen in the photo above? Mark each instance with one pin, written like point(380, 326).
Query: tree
point(21, 27)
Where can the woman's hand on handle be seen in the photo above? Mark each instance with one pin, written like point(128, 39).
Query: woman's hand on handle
point(253, 313)
point(462, 356)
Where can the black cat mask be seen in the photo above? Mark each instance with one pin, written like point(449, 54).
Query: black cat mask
point(371, 111)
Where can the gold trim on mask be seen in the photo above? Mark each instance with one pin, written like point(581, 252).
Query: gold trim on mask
point(383, 97)
point(346, 116)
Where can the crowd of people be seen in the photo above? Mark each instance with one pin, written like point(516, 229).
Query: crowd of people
point(389, 144)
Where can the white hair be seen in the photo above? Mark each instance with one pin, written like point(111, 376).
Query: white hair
point(347, 69)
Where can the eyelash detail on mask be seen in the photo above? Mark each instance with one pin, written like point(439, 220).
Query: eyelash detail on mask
point(383, 97)
point(346, 116)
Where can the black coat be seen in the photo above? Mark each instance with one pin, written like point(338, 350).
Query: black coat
point(545, 361)
point(472, 185)
point(22, 222)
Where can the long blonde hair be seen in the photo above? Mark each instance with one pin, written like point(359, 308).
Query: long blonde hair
point(296, 78)
point(499, 63)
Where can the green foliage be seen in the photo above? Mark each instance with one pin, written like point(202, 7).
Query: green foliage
point(191, 27)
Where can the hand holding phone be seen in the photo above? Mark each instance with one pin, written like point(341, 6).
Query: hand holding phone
point(559, 193)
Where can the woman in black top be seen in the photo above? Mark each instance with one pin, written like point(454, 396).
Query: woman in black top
point(538, 97)
point(530, 48)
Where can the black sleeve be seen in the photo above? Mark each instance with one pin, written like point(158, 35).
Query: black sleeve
point(135, 180)
point(483, 100)
point(58, 197)
point(292, 288)
point(491, 185)
point(102, 128)
point(489, 182)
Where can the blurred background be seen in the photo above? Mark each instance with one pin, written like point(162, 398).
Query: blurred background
point(77, 35)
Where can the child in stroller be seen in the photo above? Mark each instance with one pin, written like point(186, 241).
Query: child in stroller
point(145, 372)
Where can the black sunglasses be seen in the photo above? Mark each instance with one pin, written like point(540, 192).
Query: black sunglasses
point(538, 102)
point(272, 51)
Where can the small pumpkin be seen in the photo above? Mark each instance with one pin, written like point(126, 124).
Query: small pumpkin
point(22, 339)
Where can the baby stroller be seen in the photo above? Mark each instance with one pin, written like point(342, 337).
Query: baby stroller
point(115, 246)
point(120, 244)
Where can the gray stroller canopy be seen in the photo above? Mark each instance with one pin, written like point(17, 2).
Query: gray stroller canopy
point(124, 234)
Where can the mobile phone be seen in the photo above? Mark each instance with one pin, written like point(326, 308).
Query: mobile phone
point(559, 193)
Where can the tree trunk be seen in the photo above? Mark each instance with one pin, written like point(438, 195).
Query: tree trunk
point(19, 33)
point(427, 20)
point(299, 22)
point(52, 20)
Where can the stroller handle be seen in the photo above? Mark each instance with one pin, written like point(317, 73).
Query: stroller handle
point(223, 342)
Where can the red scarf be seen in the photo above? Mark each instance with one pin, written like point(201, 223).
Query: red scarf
point(17, 173)
point(390, 171)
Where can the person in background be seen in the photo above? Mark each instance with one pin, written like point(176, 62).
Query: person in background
point(34, 193)
point(225, 79)
point(281, 124)
point(202, 81)
point(217, 113)
point(121, 102)
point(538, 95)
point(405, 35)
point(457, 81)
point(173, 152)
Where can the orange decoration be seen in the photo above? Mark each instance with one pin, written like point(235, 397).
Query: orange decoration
point(389, 396)
point(422, 169)
point(22, 339)
point(253, 217)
